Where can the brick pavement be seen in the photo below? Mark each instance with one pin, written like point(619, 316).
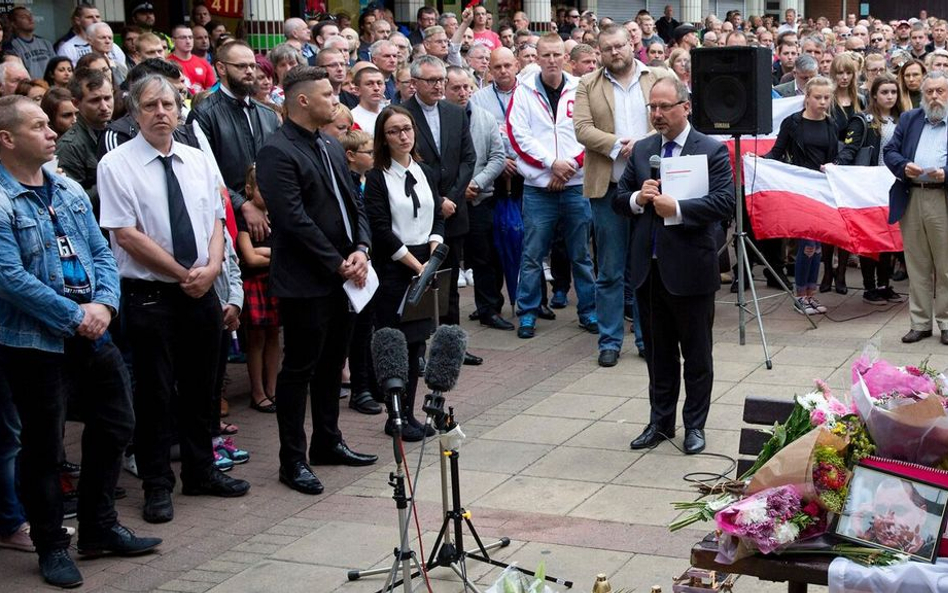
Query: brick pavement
point(546, 463)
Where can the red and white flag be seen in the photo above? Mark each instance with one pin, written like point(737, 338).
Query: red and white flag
point(845, 206)
point(782, 109)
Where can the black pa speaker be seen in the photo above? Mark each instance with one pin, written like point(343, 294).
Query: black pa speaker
point(730, 90)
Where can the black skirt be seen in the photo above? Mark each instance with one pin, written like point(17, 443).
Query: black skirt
point(394, 278)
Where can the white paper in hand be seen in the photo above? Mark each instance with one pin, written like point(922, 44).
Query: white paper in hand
point(684, 178)
point(360, 297)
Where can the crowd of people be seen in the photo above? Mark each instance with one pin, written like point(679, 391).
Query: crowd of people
point(173, 199)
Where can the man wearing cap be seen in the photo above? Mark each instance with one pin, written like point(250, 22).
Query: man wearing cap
point(685, 37)
point(143, 16)
point(903, 36)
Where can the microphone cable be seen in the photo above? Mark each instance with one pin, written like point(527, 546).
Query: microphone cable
point(413, 514)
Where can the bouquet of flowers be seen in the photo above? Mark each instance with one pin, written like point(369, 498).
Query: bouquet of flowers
point(767, 522)
point(830, 478)
point(903, 409)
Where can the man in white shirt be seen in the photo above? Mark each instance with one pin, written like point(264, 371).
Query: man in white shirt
point(371, 89)
point(162, 203)
point(78, 46)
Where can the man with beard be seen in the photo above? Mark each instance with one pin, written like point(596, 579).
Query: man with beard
point(916, 155)
point(236, 127)
point(610, 117)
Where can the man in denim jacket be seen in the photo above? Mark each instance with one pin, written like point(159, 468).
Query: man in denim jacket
point(59, 290)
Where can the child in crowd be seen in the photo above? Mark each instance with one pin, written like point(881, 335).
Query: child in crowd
point(260, 315)
point(342, 123)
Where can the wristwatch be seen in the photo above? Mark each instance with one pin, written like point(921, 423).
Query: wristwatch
point(364, 249)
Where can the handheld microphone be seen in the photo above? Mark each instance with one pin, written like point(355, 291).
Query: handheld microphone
point(390, 359)
point(445, 358)
point(419, 288)
point(655, 162)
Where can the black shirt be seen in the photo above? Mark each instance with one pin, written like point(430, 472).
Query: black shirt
point(815, 143)
point(553, 94)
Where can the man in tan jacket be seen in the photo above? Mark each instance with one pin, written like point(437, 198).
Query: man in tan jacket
point(610, 115)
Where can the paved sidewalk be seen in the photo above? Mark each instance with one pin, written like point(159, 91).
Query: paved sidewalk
point(546, 463)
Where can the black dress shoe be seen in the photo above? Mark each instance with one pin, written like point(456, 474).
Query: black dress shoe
point(119, 541)
point(651, 437)
point(944, 337)
point(216, 483)
point(473, 361)
point(899, 275)
point(608, 358)
point(694, 441)
point(545, 312)
point(158, 506)
point(425, 429)
point(410, 434)
point(915, 335)
point(341, 454)
point(59, 570)
point(495, 321)
point(363, 403)
point(301, 478)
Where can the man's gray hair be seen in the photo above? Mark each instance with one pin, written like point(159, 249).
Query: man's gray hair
point(432, 30)
point(426, 60)
point(681, 89)
point(379, 46)
point(133, 100)
point(443, 19)
point(339, 40)
point(91, 29)
point(283, 52)
point(478, 47)
point(818, 42)
point(805, 63)
point(935, 75)
point(292, 25)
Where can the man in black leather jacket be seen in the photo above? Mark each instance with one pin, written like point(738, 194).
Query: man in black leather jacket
point(236, 127)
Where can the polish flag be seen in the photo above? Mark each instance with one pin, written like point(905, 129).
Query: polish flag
point(845, 206)
point(782, 108)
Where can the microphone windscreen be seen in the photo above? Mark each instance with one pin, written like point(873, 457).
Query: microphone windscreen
point(390, 355)
point(655, 161)
point(445, 358)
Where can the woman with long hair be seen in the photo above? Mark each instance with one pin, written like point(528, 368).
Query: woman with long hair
point(404, 211)
point(873, 129)
point(808, 139)
point(847, 102)
point(58, 72)
point(679, 62)
point(59, 108)
point(910, 83)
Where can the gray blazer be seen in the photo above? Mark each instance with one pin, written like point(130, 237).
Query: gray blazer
point(489, 147)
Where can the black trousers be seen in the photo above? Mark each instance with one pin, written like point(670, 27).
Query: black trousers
point(316, 334)
point(482, 257)
point(676, 327)
point(361, 375)
point(40, 383)
point(453, 262)
point(876, 274)
point(175, 341)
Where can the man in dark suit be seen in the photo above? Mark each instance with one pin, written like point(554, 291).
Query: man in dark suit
point(320, 240)
point(916, 156)
point(444, 144)
point(674, 268)
point(804, 68)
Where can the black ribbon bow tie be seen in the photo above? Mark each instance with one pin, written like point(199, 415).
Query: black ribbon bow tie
point(410, 191)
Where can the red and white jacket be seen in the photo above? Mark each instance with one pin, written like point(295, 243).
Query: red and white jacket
point(537, 138)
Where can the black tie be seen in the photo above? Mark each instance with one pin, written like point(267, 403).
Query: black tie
point(410, 191)
point(182, 234)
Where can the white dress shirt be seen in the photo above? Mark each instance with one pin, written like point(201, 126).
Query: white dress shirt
point(133, 193)
point(679, 141)
point(410, 229)
point(630, 114)
point(433, 117)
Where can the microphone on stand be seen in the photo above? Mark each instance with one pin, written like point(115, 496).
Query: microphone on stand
point(428, 274)
point(390, 359)
point(446, 355)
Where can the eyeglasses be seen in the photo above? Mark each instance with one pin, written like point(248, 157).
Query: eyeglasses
point(612, 48)
point(663, 106)
point(396, 132)
point(243, 66)
point(431, 81)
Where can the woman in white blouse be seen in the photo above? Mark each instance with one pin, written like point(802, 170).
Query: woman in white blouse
point(404, 211)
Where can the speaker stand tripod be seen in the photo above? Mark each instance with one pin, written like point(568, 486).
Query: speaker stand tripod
point(741, 245)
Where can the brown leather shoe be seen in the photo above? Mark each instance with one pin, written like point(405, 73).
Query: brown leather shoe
point(916, 335)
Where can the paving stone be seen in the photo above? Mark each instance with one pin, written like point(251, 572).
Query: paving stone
point(570, 405)
point(647, 506)
point(580, 463)
point(537, 429)
point(540, 495)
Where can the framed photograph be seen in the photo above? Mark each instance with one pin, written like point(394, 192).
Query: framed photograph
point(890, 511)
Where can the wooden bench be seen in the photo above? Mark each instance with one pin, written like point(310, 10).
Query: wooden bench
point(796, 571)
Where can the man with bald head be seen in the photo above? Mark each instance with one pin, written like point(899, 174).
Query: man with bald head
point(12, 73)
point(298, 35)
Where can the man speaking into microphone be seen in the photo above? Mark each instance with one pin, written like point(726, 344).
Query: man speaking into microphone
point(674, 264)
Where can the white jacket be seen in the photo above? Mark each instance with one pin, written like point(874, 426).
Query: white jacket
point(537, 139)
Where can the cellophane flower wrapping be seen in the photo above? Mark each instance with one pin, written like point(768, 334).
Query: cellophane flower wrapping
point(903, 409)
point(766, 522)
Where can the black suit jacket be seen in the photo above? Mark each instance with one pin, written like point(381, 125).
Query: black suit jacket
point(379, 210)
point(453, 167)
point(687, 253)
point(309, 240)
point(899, 152)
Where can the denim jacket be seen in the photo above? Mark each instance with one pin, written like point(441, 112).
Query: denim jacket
point(33, 311)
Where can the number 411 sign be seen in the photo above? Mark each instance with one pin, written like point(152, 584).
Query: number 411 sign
point(228, 8)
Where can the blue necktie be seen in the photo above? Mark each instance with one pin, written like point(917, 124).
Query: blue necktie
point(667, 149)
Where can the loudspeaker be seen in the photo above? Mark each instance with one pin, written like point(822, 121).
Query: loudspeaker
point(730, 90)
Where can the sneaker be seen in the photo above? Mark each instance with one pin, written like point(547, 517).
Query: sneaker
point(469, 276)
point(70, 504)
point(222, 462)
point(874, 297)
point(547, 273)
point(590, 324)
point(559, 300)
point(803, 307)
point(227, 448)
point(820, 308)
point(528, 326)
point(890, 295)
point(462, 280)
point(70, 469)
point(129, 465)
point(59, 570)
point(18, 540)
